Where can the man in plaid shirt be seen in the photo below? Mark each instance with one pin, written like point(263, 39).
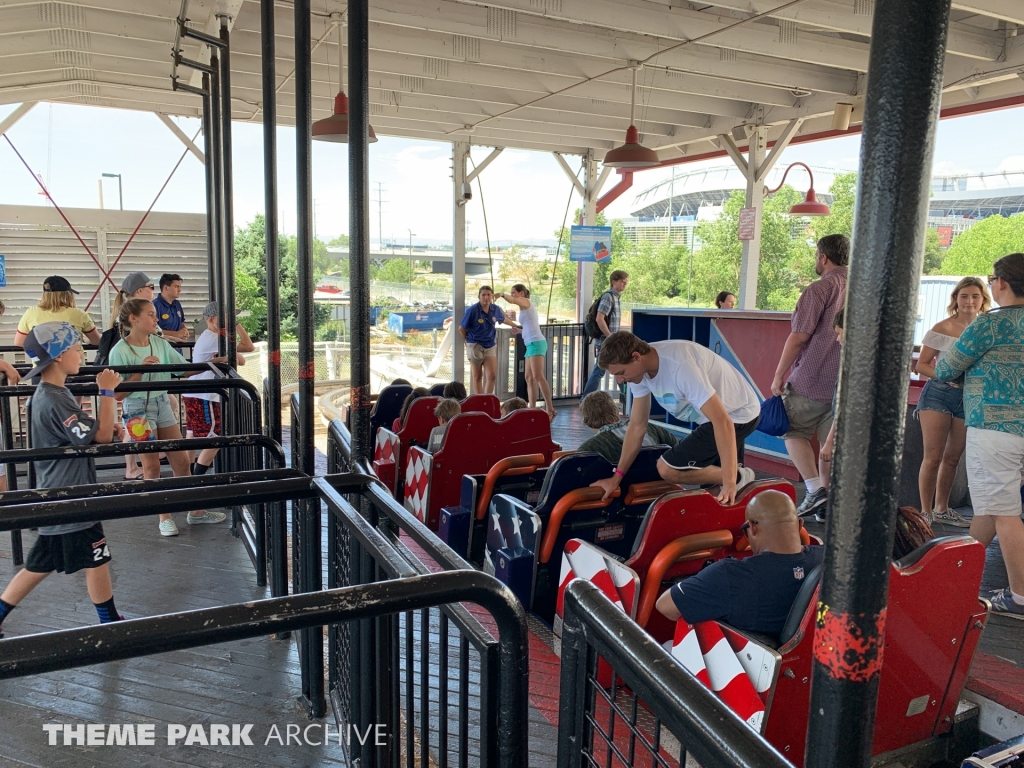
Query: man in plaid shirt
point(811, 358)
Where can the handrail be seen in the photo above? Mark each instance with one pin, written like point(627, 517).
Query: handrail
point(640, 493)
point(513, 465)
point(681, 549)
point(170, 385)
point(96, 450)
point(576, 499)
point(152, 502)
point(81, 647)
point(714, 735)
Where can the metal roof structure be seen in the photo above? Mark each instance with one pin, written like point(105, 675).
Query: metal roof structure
point(548, 75)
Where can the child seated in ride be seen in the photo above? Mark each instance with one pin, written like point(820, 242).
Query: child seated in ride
point(446, 410)
point(59, 421)
point(600, 412)
point(413, 396)
point(511, 405)
point(456, 390)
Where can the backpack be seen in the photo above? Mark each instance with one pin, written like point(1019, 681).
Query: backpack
point(109, 338)
point(590, 326)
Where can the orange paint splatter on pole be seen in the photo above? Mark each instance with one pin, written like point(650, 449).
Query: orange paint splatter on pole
point(307, 371)
point(849, 647)
point(275, 357)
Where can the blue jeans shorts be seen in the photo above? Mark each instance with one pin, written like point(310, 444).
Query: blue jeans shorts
point(143, 417)
point(941, 397)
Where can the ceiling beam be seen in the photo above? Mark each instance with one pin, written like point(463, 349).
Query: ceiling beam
point(1007, 10)
point(182, 137)
point(11, 120)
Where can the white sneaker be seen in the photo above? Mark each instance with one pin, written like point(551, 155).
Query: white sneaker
point(209, 517)
point(168, 527)
point(747, 476)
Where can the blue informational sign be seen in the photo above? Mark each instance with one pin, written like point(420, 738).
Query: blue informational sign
point(590, 243)
point(3, 271)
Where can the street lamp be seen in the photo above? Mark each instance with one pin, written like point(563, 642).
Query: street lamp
point(411, 236)
point(810, 206)
point(120, 195)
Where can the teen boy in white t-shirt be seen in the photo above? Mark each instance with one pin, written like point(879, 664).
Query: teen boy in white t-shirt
point(693, 384)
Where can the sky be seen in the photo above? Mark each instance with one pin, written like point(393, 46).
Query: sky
point(526, 193)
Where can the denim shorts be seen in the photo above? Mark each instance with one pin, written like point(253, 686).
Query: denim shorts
point(143, 417)
point(537, 348)
point(941, 397)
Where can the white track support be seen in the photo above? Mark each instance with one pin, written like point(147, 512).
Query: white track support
point(592, 184)
point(173, 126)
point(572, 176)
point(460, 153)
point(8, 122)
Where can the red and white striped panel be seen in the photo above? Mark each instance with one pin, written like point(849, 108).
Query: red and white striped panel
point(757, 661)
point(385, 447)
point(581, 560)
point(728, 679)
point(686, 650)
point(417, 482)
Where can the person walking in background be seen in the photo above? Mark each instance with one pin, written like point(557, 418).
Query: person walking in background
point(478, 329)
point(202, 409)
point(940, 408)
point(725, 300)
point(57, 305)
point(536, 348)
point(608, 318)
point(169, 314)
point(148, 415)
point(811, 359)
point(990, 356)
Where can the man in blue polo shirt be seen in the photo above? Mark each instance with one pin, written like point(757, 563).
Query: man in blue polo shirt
point(169, 314)
point(477, 328)
point(754, 594)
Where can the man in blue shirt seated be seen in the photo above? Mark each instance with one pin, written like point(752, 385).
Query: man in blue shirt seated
point(754, 594)
point(169, 314)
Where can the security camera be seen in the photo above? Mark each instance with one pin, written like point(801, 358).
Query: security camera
point(467, 193)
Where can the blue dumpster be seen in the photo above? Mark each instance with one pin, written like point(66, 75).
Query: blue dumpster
point(400, 323)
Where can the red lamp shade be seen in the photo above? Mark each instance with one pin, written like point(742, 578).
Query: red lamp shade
point(632, 154)
point(335, 127)
point(810, 206)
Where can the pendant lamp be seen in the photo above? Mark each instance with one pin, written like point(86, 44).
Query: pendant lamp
point(810, 206)
point(335, 127)
point(632, 154)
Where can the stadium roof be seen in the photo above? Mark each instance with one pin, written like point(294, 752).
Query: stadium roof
point(536, 74)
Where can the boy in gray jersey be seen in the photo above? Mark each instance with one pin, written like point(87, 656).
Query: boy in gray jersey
point(59, 421)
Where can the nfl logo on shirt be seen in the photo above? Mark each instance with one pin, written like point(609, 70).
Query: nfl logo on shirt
point(798, 573)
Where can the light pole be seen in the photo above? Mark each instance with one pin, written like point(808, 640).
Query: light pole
point(411, 236)
point(120, 194)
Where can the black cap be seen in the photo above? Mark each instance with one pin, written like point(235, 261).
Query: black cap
point(57, 283)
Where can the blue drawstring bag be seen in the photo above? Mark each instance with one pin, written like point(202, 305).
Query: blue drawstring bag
point(774, 420)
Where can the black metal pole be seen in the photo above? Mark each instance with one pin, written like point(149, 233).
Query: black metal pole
point(211, 190)
point(278, 522)
point(227, 306)
point(216, 158)
point(302, 437)
point(908, 44)
point(359, 225)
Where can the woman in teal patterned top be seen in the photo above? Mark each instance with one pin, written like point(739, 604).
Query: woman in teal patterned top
point(990, 355)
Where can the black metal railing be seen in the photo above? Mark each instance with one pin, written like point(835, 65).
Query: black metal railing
point(565, 365)
point(68, 649)
point(376, 671)
point(647, 709)
point(258, 521)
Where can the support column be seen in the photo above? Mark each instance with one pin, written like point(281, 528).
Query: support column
point(908, 41)
point(227, 305)
point(217, 156)
point(359, 225)
point(273, 391)
point(460, 152)
point(585, 269)
point(751, 261)
point(9, 122)
point(210, 152)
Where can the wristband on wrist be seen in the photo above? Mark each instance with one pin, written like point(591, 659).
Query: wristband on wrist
point(619, 472)
point(106, 393)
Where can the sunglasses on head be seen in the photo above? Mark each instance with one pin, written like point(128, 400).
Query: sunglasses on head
point(745, 528)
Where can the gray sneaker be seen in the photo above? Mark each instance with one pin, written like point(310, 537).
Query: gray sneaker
point(747, 476)
point(951, 517)
point(813, 502)
point(1002, 603)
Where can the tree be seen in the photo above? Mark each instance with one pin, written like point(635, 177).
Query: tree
point(844, 198)
point(395, 271)
point(974, 251)
point(786, 264)
point(517, 266)
point(565, 271)
point(933, 254)
point(251, 268)
point(340, 240)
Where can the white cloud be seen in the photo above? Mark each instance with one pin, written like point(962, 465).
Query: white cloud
point(1011, 164)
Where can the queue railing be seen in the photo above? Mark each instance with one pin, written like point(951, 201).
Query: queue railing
point(259, 521)
point(388, 588)
point(565, 364)
point(377, 669)
point(643, 707)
